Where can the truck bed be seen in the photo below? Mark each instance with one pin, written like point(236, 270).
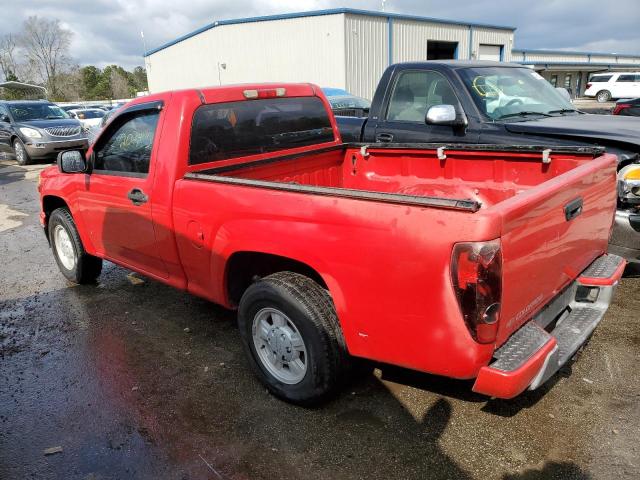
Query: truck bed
point(511, 193)
point(448, 177)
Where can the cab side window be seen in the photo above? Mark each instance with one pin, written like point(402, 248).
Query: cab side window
point(128, 148)
point(416, 92)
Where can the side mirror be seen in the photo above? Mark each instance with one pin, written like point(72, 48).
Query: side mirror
point(5, 118)
point(564, 92)
point(72, 161)
point(445, 115)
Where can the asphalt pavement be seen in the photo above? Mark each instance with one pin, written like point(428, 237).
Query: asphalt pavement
point(131, 379)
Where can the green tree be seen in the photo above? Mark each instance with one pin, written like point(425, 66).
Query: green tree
point(140, 79)
point(90, 76)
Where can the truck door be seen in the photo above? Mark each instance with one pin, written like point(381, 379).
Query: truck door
point(118, 197)
point(402, 119)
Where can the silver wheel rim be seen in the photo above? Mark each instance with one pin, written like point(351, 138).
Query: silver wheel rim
point(280, 346)
point(64, 247)
point(19, 153)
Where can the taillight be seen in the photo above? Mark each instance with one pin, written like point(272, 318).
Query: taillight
point(619, 107)
point(476, 274)
point(588, 86)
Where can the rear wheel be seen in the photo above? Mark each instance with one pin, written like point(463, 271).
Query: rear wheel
point(22, 157)
point(603, 96)
point(72, 259)
point(291, 334)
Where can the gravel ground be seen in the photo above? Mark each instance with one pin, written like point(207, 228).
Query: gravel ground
point(143, 381)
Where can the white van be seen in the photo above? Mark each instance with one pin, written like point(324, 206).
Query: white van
point(613, 85)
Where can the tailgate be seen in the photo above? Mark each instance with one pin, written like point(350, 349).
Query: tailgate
point(551, 233)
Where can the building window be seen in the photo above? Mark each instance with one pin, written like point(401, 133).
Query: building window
point(437, 50)
point(567, 81)
point(554, 80)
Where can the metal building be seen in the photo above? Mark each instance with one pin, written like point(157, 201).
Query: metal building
point(572, 70)
point(348, 48)
point(341, 48)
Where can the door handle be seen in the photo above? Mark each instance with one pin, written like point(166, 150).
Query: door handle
point(573, 209)
point(137, 196)
point(384, 137)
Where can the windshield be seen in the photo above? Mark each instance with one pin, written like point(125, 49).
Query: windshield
point(86, 114)
point(37, 111)
point(510, 92)
point(348, 102)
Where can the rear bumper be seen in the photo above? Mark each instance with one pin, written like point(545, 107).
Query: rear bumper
point(625, 239)
point(535, 352)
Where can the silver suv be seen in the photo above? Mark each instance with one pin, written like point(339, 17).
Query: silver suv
point(38, 130)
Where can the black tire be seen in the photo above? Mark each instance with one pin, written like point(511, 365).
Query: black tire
point(20, 152)
point(603, 96)
point(87, 267)
point(311, 309)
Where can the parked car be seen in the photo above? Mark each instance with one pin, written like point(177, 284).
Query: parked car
point(497, 103)
point(613, 85)
point(37, 130)
point(66, 108)
point(410, 255)
point(346, 104)
point(88, 117)
point(627, 107)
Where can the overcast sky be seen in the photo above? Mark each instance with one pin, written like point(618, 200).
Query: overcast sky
point(108, 31)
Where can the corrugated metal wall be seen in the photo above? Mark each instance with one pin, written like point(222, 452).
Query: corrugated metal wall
point(410, 39)
point(307, 49)
point(555, 57)
point(366, 45)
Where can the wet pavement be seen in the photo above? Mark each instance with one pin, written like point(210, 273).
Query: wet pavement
point(135, 380)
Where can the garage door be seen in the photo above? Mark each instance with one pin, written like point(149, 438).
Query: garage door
point(490, 52)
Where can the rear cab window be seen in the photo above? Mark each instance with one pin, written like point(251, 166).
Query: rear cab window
point(228, 130)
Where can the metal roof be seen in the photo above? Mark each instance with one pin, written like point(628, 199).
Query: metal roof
point(569, 52)
point(26, 88)
point(317, 13)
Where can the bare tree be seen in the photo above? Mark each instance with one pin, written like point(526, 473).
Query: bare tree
point(8, 53)
point(69, 84)
point(46, 44)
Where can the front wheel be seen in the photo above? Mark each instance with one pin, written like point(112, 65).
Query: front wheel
point(603, 96)
point(291, 334)
point(22, 157)
point(72, 259)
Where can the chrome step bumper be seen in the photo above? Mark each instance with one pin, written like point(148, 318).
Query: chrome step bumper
point(535, 352)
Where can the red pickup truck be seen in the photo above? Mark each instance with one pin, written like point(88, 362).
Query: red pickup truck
point(478, 262)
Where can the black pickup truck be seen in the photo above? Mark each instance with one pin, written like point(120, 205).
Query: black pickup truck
point(478, 102)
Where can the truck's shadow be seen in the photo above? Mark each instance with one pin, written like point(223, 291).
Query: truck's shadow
point(122, 353)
